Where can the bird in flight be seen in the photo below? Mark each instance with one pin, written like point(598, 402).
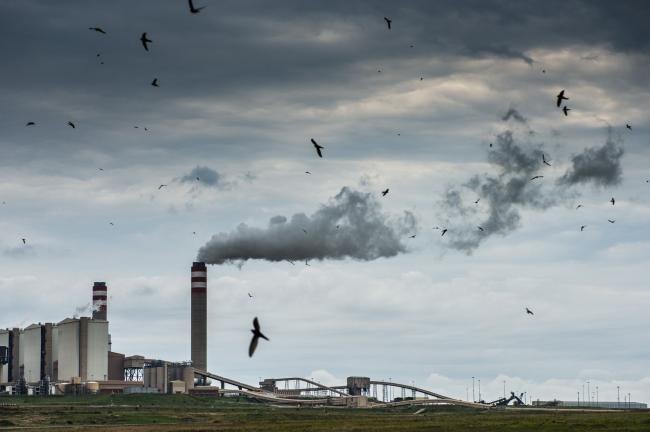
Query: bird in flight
point(444, 231)
point(145, 41)
point(307, 172)
point(161, 186)
point(579, 205)
point(566, 110)
point(101, 169)
point(388, 21)
point(97, 29)
point(384, 192)
point(111, 223)
point(529, 312)
point(250, 295)
point(193, 9)
point(24, 241)
point(582, 228)
point(481, 228)
point(611, 221)
point(304, 230)
point(30, 124)
point(71, 125)
point(544, 160)
point(560, 98)
point(318, 147)
point(477, 200)
point(613, 201)
point(628, 126)
point(155, 82)
point(536, 177)
point(413, 236)
point(194, 232)
point(257, 334)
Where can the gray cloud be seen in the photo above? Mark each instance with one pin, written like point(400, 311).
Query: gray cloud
point(600, 166)
point(501, 195)
point(203, 175)
point(350, 225)
point(513, 113)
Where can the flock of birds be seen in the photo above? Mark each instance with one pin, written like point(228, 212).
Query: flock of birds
point(256, 330)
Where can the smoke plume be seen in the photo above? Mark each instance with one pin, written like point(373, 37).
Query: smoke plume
point(350, 225)
point(598, 165)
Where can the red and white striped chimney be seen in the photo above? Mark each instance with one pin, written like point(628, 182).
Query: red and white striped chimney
point(199, 319)
point(100, 293)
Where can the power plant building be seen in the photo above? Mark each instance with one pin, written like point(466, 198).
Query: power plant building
point(82, 349)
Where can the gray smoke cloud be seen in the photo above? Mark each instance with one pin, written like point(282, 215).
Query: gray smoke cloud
point(501, 195)
point(600, 166)
point(80, 310)
point(350, 225)
point(513, 113)
point(203, 175)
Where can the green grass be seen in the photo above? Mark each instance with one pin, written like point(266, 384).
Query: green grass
point(121, 412)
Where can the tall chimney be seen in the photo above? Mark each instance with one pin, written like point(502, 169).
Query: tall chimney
point(100, 292)
point(199, 316)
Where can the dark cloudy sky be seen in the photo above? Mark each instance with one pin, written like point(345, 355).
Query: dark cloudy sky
point(243, 87)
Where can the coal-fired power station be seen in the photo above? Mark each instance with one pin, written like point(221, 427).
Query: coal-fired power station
point(100, 292)
point(199, 318)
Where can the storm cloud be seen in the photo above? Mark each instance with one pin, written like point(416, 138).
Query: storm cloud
point(600, 166)
point(350, 225)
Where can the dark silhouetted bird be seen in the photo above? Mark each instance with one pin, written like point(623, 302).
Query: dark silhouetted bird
point(579, 205)
point(536, 177)
point(97, 29)
point(101, 169)
point(413, 236)
point(529, 312)
point(384, 192)
point(24, 241)
point(307, 172)
point(566, 110)
point(543, 70)
point(194, 232)
point(304, 230)
point(250, 295)
point(317, 147)
point(155, 82)
point(388, 21)
point(71, 125)
point(611, 221)
point(560, 98)
point(628, 126)
point(111, 223)
point(145, 41)
point(544, 160)
point(613, 201)
point(477, 200)
point(582, 228)
point(481, 228)
point(30, 124)
point(257, 334)
point(490, 145)
point(444, 231)
point(161, 186)
point(193, 9)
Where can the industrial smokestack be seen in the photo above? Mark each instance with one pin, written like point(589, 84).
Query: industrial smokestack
point(199, 316)
point(100, 292)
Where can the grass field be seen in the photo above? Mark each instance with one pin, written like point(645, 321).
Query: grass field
point(187, 413)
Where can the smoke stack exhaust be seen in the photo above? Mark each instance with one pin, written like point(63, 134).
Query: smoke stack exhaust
point(100, 292)
point(199, 316)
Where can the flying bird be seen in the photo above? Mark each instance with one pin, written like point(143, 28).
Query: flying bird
point(566, 110)
point(388, 21)
point(536, 177)
point(304, 230)
point(250, 295)
point(628, 126)
point(613, 201)
point(145, 41)
point(582, 228)
point(318, 147)
point(579, 205)
point(560, 98)
point(101, 169)
point(529, 312)
point(413, 236)
point(193, 9)
point(307, 172)
point(97, 29)
point(257, 334)
point(611, 221)
point(30, 124)
point(24, 241)
point(544, 160)
point(384, 192)
point(477, 200)
point(71, 125)
point(161, 186)
point(111, 223)
point(155, 82)
point(481, 228)
point(444, 231)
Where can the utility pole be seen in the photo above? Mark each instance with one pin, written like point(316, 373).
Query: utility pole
point(583, 393)
point(578, 398)
point(629, 400)
point(588, 393)
point(596, 395)
point(504, 389)
point(479, 391)
point(467, 394)
point(618, 396)
point(473, 397)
